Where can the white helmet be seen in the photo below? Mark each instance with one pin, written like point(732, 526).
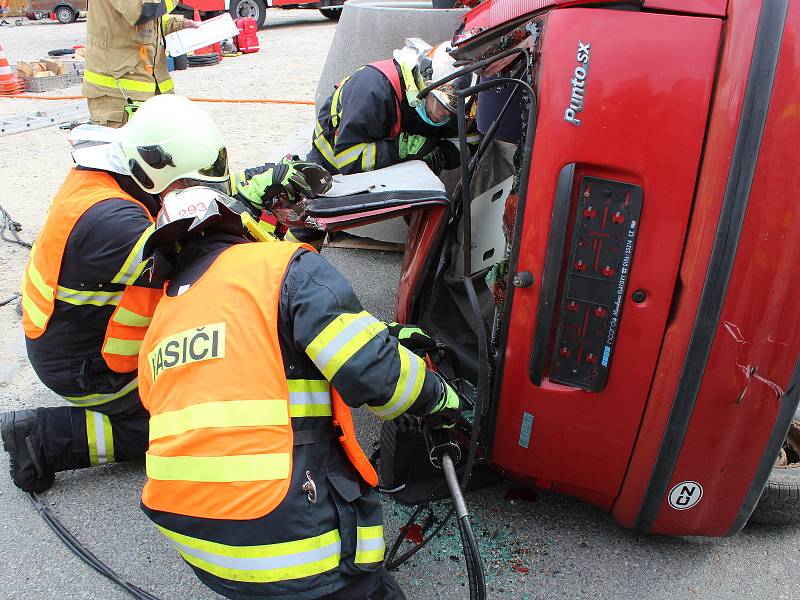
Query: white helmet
point(168, 140)
point(429, 64)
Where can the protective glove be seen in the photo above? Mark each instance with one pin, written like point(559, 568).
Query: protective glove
point(413, 338)
point(435, 160)
point(451, 157)
point(411, 146)
point(296, 179)
point(446, 413)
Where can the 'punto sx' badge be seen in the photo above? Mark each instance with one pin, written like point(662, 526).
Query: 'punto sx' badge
point(578, 82)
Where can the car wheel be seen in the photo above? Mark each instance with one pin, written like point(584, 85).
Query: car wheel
point(65, 15)
point(780, 501)
point(333, 13)
point(255, 9)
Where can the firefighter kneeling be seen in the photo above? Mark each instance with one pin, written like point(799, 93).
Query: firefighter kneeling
point(249, 368)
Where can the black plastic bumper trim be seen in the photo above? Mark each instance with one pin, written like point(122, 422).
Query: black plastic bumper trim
point(552, 271)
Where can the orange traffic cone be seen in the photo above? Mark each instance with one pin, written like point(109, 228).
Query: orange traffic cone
point(9, 84)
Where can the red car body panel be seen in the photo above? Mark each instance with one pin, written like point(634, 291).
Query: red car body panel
point(494, 13)
point(755, 345)
point(696, 105)
point(632, 69)
point(712, 8)
point(721, 138)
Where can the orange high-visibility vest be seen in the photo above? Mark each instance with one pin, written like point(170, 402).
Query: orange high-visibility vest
point(40, 289)
point(212, 377)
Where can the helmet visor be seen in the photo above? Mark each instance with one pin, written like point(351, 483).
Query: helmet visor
point(140, 175)
point(219, 168)
point(447, 93)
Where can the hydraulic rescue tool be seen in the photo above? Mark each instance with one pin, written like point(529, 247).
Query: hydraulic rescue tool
point(445, 453)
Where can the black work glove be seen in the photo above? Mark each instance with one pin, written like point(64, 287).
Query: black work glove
point(413, 338)
point(435, 160)
point(451, 157)
point(447, 411)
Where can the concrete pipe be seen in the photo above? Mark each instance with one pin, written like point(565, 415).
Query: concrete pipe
point(370, 30)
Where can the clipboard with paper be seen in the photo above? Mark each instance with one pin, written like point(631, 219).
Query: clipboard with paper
point(210, 32)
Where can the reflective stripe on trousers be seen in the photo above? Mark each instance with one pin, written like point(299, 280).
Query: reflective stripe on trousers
point(261, 564)
point(100, 438)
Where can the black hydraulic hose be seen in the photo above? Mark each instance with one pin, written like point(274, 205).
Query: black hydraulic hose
point(83, 553)
point(471, 555)
point(477, 581)
point(469, 69)
point(10, 300)
point(486, 139)
point(10, 226)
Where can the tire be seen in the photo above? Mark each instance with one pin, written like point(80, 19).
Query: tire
point(332, 13)
point(65, 14)
point(255, 9)
point(780, 501)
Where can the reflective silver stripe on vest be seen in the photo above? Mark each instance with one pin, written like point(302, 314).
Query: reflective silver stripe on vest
point(309, 398)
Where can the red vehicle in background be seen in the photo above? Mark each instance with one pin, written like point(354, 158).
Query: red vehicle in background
point(257, 9)
point(643, 352)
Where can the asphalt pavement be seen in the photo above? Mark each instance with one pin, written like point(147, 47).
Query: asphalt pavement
point(544, 547)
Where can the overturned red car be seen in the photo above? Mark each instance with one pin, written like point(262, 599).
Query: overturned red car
point(620, 311)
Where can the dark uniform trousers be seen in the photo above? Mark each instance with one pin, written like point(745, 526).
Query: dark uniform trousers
point(68, 440)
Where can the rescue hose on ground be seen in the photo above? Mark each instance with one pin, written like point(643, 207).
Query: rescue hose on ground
point(82, 552)
point(12, 228)
point(193, 99)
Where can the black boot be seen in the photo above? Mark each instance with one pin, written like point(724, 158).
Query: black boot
point(28, 470)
